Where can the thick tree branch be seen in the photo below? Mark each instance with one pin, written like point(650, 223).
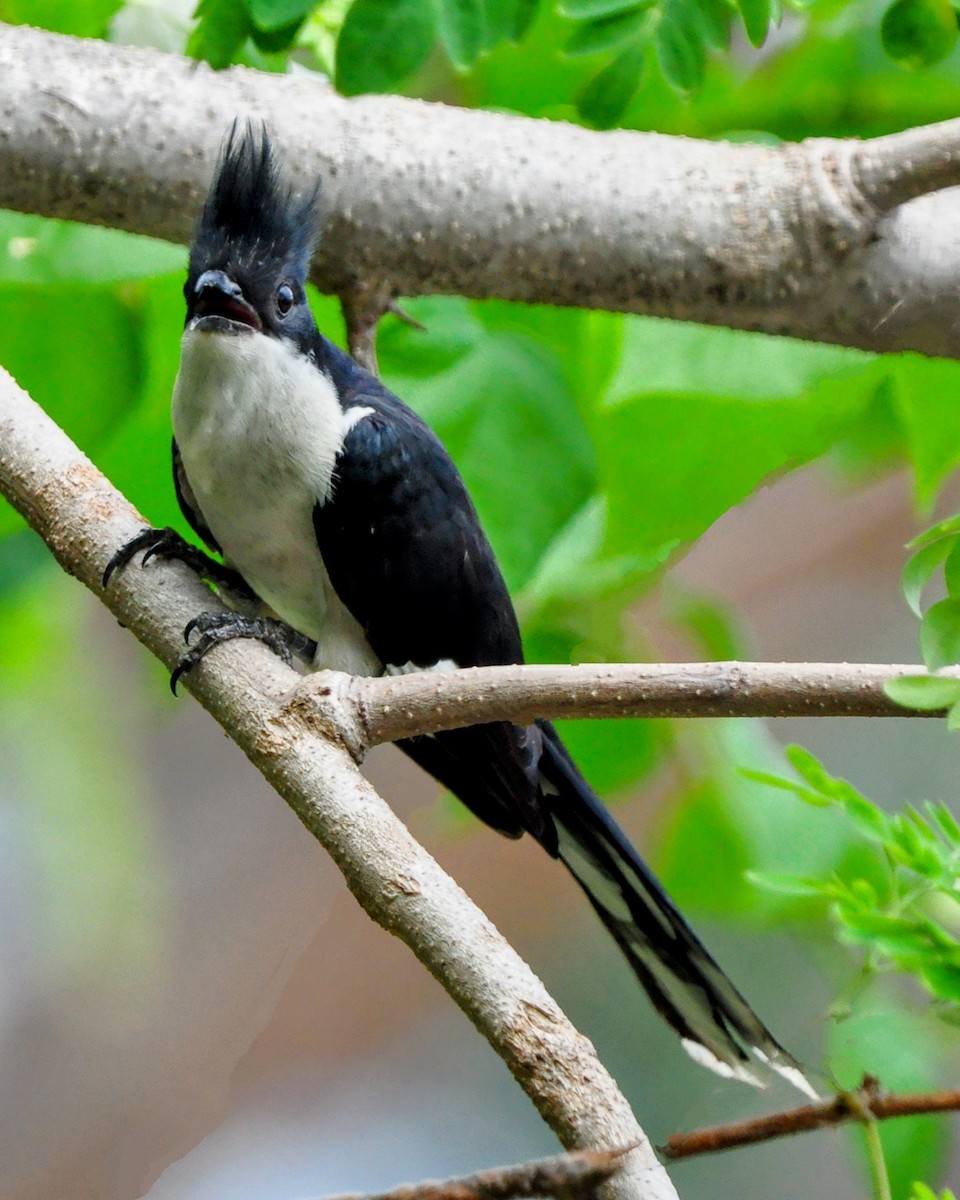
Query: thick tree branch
point(813, 240)
point(866, 1103)
point(385, 710)
point(84, 519)
point(566, 1176)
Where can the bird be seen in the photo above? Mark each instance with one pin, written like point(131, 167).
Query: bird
point(345, 537)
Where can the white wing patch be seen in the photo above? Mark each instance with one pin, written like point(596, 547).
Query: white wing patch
point(410, 668)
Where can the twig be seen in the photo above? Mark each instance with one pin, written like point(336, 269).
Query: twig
point(846, 1107)
point(563, 1175)
point(363, 307)
point(406, 705)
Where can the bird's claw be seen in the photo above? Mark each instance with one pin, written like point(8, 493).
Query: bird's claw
point(217, 627)
point(168, 544)
point(151, 541)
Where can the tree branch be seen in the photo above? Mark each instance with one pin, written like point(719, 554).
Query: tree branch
point(866, 1103)
point(84, 519)
point(812, 239)
point(394, 707)
point(566, 1176)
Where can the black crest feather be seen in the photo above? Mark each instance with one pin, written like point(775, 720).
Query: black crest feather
point(252, 218)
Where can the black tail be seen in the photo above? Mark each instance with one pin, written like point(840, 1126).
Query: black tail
point(717, 1026)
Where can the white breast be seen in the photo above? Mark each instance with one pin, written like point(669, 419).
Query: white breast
point(259, 429)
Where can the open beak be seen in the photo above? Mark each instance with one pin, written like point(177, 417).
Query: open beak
point(217, 296)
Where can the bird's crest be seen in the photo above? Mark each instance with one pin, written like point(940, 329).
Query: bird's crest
point(252, 216)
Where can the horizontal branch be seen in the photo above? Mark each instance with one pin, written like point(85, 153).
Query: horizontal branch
point(566, 1176)
point(867, 1103)
point(395, 707)
point(83, 520)
point(813, 239)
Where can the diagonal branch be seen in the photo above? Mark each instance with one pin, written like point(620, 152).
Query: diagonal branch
point(84, 519)
point(832, 240)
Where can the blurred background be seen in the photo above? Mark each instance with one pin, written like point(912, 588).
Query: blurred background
point(191, 1005)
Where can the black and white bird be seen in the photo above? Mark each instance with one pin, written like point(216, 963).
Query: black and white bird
point(347, 536)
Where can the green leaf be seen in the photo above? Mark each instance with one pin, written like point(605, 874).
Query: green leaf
point(462, 26)
point(680, 45)
point(919, 568)
point(614, 754)
point(93, 378)
point(588, 10)
point(815, 799)
point(918, 33)
point(926, 398)
point(713, 625)
point(604, 98)
point(790, 885)
point(506, 413)
point(658, 450)
point(275, 41)
point(926, 693)
point(945, 821)
point(37, 250)
point(940, 634)
point(450, 331)
point(944, 528)
point(865, 816)
point(88, 18)
point(573, 568)
point(610, 33)
point(715, 18)
point(135, 453)
point(277, 14)
point(951, 569)
point(382, 42)
point(757, 15)
point(508, 20)
point(223, 26)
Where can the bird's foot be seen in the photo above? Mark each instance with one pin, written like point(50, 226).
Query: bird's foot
point(167, 543)
point(217, 627)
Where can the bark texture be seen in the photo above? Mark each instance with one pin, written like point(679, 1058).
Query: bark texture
point(832, 240)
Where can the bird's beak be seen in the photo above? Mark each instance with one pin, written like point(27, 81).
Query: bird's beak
point(216, 295)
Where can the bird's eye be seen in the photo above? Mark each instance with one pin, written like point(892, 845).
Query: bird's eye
point(284, 299)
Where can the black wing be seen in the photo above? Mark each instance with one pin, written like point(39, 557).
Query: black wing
point(405, 552)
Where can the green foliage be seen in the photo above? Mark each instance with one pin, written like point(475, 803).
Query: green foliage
point(874, 1036)
point(904, 912)
point(920, 1191)
point(936, 548)
point(623, 49)
point(919, 33)
point(86, 18)
point(382, 42)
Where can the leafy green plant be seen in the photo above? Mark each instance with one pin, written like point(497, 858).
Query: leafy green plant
point(935, 550)
point(898, 899)
point(920, 1191)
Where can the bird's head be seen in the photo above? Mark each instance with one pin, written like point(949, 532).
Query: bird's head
point(251, 248)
